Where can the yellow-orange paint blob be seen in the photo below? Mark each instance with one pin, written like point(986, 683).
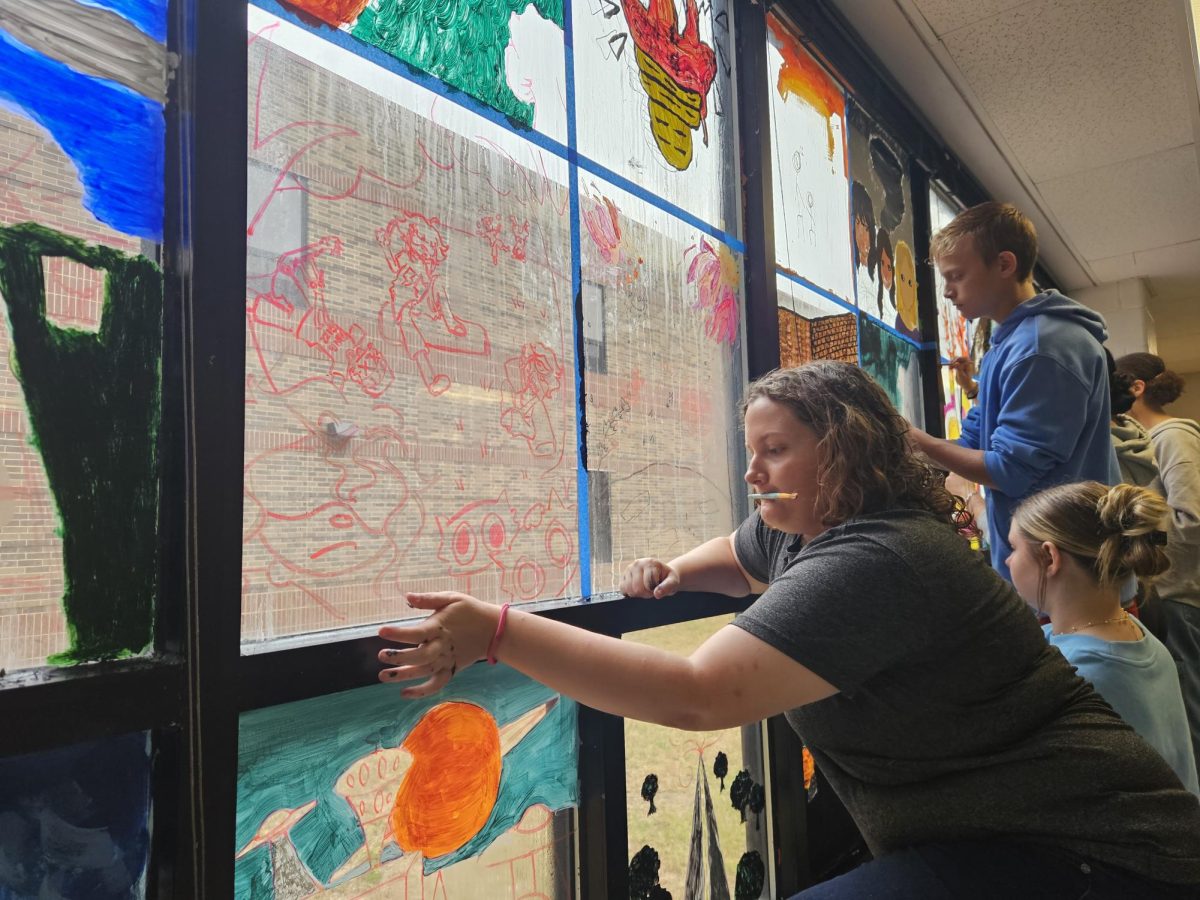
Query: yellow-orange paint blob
point(803, 76)
point(448, 793)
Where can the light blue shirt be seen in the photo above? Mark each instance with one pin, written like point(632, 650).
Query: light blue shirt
point(1139, 680)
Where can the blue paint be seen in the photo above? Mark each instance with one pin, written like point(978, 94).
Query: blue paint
point(583, 524)
point(113, 135)
point(148, 15)
point(850, 307)
point(76, 820)
point(466, 101)
point(312, 742)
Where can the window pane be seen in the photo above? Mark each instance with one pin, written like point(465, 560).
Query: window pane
point(360, 793)
point(882, 218)
point(812, 326)
point(410, 399)
point(893, 363)
point(655, 100)
point(671, 776)
point(812, 190)
point(662, 418)
point(75, 821)
point(507, 55)
point(81, 197)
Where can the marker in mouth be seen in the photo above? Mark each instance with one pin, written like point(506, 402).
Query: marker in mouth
point(777, 495)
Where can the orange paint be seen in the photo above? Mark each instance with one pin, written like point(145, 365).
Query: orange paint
point(331, 12)
point(448, 793)
point(802, 76)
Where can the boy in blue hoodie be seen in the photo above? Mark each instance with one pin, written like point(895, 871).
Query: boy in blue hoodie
point(1042, 414)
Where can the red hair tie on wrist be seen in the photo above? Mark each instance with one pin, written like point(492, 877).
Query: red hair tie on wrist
point(491, 654)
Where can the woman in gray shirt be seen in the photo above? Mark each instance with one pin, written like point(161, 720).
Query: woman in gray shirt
point(973, 759)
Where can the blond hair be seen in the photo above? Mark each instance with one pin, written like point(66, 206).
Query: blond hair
point(1114, 531)
point(865, 463)
point(993, 227)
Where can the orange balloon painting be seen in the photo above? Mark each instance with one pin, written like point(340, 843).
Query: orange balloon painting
point(449, 792)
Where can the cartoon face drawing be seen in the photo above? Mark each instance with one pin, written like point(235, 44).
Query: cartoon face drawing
point(906, 286)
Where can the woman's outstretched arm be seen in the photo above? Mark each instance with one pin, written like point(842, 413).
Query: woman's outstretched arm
point(732, 679)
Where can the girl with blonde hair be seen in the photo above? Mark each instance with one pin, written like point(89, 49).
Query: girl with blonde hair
point(1073, 548)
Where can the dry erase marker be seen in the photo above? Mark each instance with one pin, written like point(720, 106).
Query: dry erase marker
point(778, 495)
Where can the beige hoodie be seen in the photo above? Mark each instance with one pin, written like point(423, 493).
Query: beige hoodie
point(1177, 449)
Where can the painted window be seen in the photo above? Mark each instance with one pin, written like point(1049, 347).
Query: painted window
point(696, 800)
point(360, 794)
point(81, 213)
point(76, 820)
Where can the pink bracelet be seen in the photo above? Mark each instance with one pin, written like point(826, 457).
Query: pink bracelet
point(491, 654)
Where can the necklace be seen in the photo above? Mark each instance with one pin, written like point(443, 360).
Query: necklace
point(1123, 617)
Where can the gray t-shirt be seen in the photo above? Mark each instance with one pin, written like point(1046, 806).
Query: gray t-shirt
point(955, 720)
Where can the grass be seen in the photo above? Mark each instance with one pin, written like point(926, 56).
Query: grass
point(672, 756)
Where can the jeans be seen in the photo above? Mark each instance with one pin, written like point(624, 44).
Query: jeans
point(1182, 637)
point(990, 870)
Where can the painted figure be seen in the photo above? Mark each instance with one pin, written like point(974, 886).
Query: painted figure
point(94, 407)
point(419, 314)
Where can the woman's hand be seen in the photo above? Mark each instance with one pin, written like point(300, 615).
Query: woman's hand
point(649, 578)
point(456, 635)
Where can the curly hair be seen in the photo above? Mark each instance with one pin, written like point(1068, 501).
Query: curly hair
point(1162, 385)
point(865, 463)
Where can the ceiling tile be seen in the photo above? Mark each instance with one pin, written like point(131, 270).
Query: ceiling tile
point(1080, 84)
point(1114, 268)
point(1137, 205)
point(945, 16)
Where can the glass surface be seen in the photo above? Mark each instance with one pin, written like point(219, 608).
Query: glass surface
point(663, 434)
point(654, 100)
point(881, 216)
point(893, 362)
point(811, 326)
point(810, 175)
point(671, 776)
point(955, 334)
point(75, 821)
point(362, 794)
point(410, 390)
point(507, 55)
point(81, 197)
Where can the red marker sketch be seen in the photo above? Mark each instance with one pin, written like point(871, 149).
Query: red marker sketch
point(362, 184)
point(419, 313)
point(532, 379)
point(351, 356)
point(494, 535)
point(355, 516)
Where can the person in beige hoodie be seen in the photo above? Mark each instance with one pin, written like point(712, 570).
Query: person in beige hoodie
point(1176, 445)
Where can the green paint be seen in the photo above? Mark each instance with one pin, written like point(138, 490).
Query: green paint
point(289, 755)
point(93, 404)
point(884, 357)
point(462, 42)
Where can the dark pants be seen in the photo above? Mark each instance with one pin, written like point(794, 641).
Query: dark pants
point(1181, 634)
point(990, 870)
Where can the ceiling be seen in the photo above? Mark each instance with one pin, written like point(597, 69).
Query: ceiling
point(1084, 113)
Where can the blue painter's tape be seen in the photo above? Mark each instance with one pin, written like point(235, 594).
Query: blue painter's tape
point(895, 332)
point(583, 519)
point(819, 291)
point(148, 15)
point(656, 201)
point(566, 152)
point(113, 135)
point(850, 307)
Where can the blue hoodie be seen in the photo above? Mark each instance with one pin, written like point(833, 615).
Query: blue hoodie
point(1042, 417)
